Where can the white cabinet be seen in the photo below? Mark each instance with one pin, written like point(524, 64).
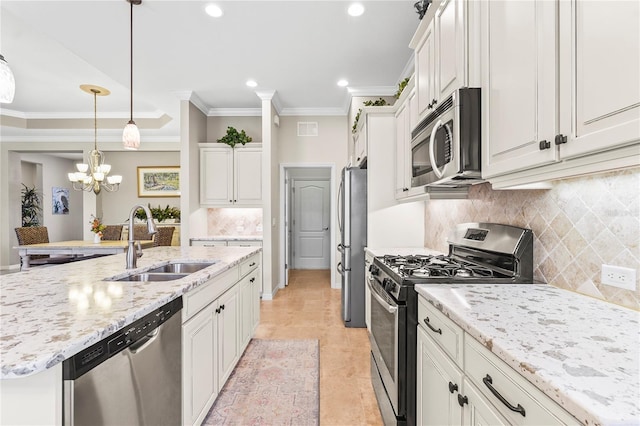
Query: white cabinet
point(250, 285)
point(459, 381)
point(403, 142)
point(230, 176)
point(228, 322)
point(442, 47)
point(360, 141)
point(199, 354)
point(518, 85)
point(561, 94)
point(215, 332)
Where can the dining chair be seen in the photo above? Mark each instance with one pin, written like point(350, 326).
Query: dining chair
point(35, 235)
point(164, 236)
point(112, 233)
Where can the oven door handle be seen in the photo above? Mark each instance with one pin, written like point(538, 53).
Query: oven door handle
point(389, 308)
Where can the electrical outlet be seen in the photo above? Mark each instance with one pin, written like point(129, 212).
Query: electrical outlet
point(618, 276)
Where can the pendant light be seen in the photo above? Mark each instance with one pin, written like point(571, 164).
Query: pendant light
point(91, 175)
point(7, 82)
point(131, 134)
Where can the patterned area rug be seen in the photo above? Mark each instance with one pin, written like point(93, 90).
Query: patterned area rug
point(276, 382)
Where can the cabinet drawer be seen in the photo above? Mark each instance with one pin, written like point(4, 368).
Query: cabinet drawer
point(249, 264)
point(208, 243)
point(245, 243)
point(444, 331)
point(195, 300)
point(486, 369)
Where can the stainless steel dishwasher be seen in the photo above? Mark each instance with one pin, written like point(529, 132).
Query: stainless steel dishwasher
point(132, 377)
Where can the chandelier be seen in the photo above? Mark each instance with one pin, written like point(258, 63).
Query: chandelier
point(7, 82)
point(91, 176)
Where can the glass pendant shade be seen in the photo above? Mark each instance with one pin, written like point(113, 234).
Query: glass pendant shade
point(131, 136)
point(7, 82)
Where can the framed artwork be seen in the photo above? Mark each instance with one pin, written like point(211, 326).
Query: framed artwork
point(59, 200)
point(159, 181)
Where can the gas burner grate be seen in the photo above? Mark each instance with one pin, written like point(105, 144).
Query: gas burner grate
point(426, 266)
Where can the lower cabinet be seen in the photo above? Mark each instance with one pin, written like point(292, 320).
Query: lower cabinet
point(215, 333)
point(461, 382)
point(221, 243)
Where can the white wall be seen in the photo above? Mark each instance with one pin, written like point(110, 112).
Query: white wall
point(217, 127)
point(116, 206)
point(193, 124)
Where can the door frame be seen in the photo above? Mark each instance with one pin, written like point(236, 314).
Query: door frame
point(283, 215)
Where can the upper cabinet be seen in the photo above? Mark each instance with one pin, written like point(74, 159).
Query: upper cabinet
point(561, 93)
point(405, 120)
point(231, 176)
point(442, 53)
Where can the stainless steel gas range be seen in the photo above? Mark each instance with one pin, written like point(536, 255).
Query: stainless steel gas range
point(481, 253)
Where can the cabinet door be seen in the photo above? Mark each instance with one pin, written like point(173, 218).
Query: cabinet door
point(248, 176)
point(438, 384)
point(199, 360)
point(402, 150)
point(477, 410)
point(216, 176)
point(246, 308)
point(519, 85)
point(360, 140)
point(425, 73)
point(451, 48)
point(256, 288)
point(228, 333)
point(600, 75)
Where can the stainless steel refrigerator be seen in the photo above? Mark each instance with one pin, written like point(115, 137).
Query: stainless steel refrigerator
point(352, 220)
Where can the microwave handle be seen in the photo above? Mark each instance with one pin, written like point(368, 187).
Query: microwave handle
point(432, 149)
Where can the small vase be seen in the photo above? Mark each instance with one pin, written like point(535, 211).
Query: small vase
point(96, 238)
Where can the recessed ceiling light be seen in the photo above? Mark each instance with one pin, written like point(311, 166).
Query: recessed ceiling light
point(213, 10)
point(251, 83)
point(356, 9)
point(343, 83)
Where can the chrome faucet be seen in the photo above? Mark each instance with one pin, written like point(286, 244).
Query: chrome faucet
point(133, 251)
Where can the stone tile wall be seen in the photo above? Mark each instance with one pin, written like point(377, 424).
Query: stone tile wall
point(234, 222)
point(578, 225)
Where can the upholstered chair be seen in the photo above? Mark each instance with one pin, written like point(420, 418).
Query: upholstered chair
point(35, 235)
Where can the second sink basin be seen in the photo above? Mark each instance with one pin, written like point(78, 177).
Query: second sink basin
point(180, 268)
point(149, 276)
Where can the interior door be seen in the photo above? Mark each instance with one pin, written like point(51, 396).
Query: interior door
point(311, 233)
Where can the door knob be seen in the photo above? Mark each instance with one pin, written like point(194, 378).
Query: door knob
point(326, 229)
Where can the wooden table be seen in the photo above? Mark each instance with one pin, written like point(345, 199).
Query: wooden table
point(76, 247)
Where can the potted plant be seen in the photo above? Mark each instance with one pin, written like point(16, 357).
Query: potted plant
point(233, 137)
point(379, 102)
point(160, 214)
point(31, 206)
point(401, 87)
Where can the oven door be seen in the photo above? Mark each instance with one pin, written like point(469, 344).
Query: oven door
point(385, 318)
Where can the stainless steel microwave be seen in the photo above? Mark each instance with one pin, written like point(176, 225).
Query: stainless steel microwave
point(445, 146)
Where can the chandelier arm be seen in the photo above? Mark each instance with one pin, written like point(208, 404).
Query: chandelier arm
point(131, 68)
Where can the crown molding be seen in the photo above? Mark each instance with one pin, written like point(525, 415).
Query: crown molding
point(189, 95)
point(78, 115)
point(81, 136)
point(312, 111)
point(234, 112)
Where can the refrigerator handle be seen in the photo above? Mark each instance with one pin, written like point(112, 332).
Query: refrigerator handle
point(346, 314)
point(340, 248)
point(340, 268)
point(339, 203)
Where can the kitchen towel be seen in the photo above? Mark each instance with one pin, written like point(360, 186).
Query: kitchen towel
point(276, 382)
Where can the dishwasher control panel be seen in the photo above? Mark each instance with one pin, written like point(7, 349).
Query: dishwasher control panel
point(145, 327)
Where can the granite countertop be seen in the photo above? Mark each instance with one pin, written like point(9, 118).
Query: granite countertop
point(229, 238)
point(582, 352)
point(49, 314)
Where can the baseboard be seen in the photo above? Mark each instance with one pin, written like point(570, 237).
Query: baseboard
point(270, 296)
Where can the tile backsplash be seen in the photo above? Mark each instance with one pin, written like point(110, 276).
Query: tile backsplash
point(234, 222)
point(578, 225)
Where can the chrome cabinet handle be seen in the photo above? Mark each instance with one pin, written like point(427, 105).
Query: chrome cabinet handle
point(488, 381)
point(426, 321)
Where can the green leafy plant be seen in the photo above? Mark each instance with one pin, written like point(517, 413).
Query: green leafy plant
point(401, 87)
point(31, 206)
point(159, 214)
point(233, 137)
point(378, 102)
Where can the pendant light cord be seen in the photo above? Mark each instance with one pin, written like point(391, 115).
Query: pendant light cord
point(95, 119)
point(131, 50)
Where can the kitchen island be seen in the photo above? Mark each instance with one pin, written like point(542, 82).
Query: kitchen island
point(582, 353)
point(51, 313)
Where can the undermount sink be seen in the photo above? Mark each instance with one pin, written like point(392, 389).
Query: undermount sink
point(149, 276)
point(180, 268)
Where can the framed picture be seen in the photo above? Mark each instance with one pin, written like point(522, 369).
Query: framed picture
point(159, 181)
point(60, 200)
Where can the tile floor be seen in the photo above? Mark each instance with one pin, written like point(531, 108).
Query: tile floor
point(308, 308)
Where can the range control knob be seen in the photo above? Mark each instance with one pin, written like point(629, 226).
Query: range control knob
point(387, 284)
point(374, 270)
